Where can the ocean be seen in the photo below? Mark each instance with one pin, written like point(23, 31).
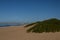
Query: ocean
point(7, 25)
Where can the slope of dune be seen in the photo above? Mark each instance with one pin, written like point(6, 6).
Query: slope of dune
point(19, 33)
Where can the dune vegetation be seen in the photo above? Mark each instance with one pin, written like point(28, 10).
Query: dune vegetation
point(50, 25)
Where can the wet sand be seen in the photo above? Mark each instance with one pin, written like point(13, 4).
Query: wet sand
point(19, 33)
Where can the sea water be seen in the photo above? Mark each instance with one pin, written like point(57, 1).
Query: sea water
point(6, 25)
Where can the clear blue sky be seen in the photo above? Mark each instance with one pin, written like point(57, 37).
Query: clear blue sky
point(28, 10)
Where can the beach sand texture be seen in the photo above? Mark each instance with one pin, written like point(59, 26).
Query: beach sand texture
point(19, 33)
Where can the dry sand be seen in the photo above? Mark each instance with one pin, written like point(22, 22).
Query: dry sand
point(19, 33)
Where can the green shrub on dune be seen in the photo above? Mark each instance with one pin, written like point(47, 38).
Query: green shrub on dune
point(50, 25)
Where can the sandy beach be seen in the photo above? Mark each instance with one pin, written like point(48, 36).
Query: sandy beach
point(19, 33)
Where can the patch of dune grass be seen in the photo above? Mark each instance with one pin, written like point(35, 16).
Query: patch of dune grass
point(50, 25)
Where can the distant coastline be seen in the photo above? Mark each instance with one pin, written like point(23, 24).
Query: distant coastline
point(7, 25)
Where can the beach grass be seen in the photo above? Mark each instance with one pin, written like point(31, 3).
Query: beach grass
point(50, 25)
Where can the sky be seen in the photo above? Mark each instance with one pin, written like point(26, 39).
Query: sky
point(28, 10)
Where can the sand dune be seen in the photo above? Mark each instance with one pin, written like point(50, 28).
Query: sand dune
point(19, 33)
